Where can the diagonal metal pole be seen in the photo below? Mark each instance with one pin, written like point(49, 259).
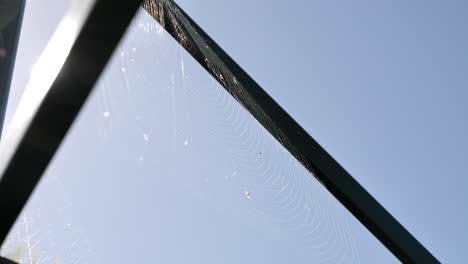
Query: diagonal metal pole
point(11, 38)
point(288, 132)
point(27, 160)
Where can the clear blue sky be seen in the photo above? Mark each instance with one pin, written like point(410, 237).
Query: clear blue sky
point(162, 149)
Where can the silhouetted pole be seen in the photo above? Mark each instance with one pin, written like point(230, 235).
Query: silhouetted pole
point(11, 17)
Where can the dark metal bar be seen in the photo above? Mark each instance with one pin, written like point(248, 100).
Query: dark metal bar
point(11, 38)
point(6, 261)
point(90, 53)
point(288, 132)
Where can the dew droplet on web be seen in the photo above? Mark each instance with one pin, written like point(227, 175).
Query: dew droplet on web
point(140, 161)
point(106, 114)
point(146, 137)
point(247, 194)
point(123, 69)
point(186, 143)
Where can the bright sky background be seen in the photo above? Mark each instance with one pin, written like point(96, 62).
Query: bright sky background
point(164, 165)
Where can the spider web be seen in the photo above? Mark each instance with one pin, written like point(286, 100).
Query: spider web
point(159, 143)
